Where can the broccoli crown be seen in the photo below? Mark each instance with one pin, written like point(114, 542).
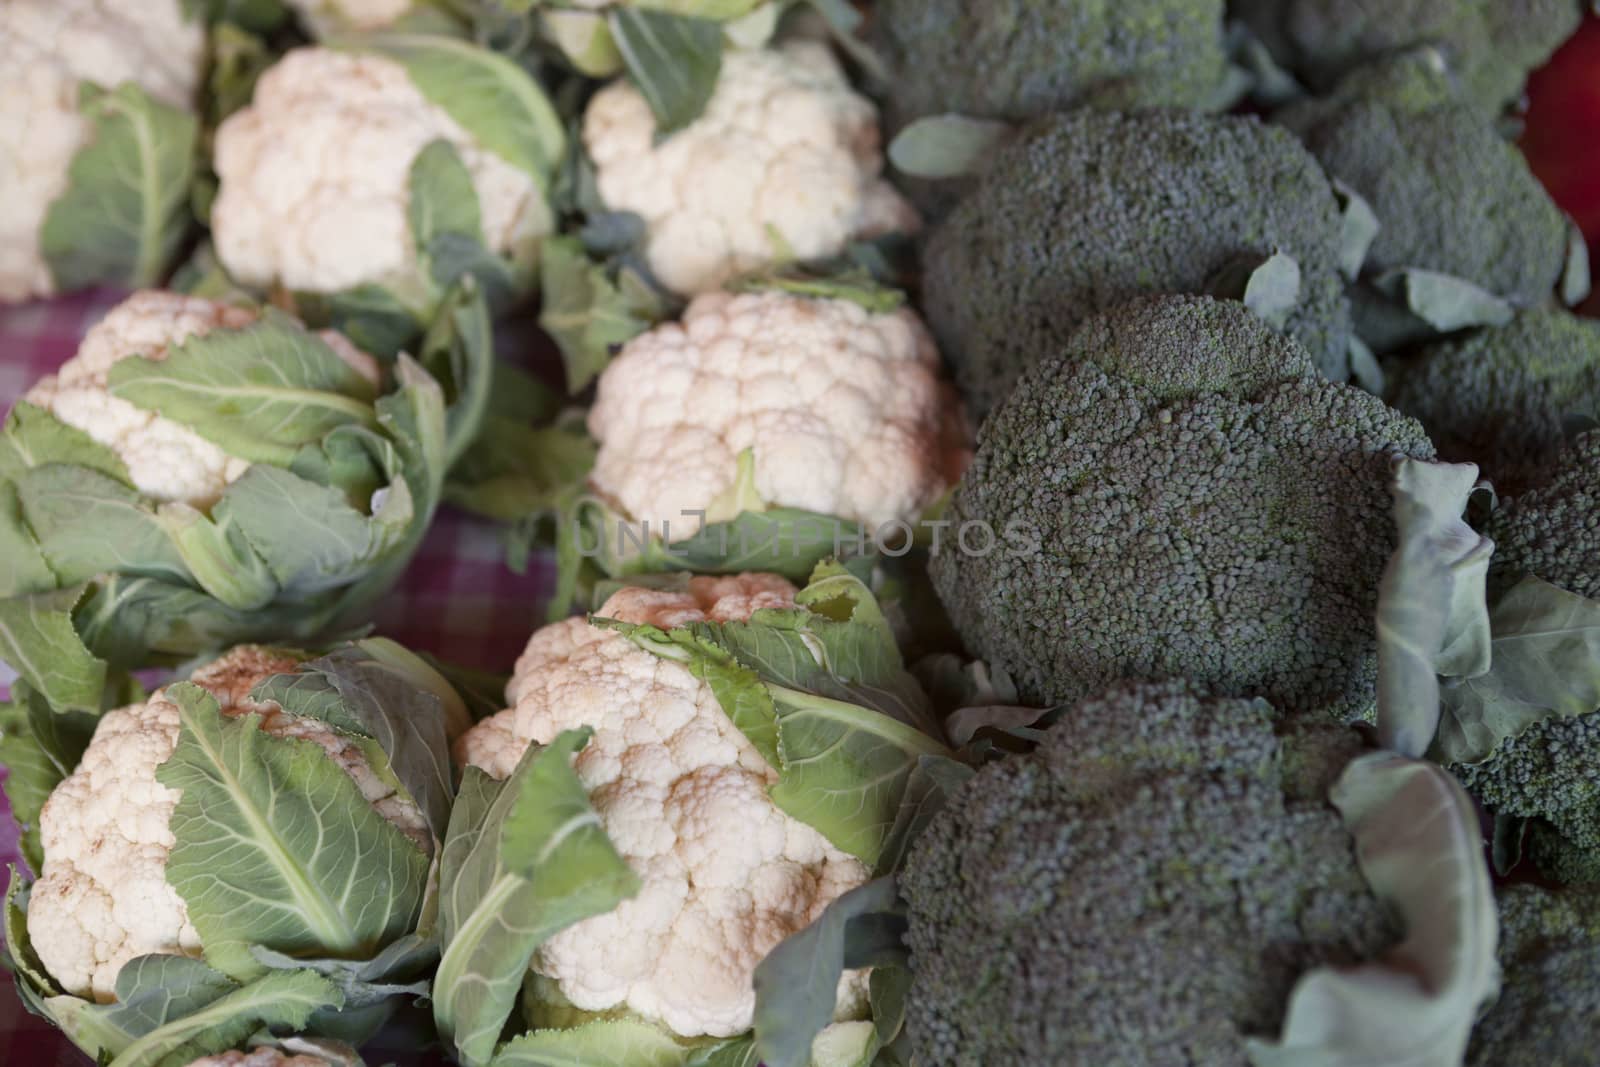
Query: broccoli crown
point(1504, 397)
point(1490, 45)
point(1452, 195)
point(1088, 209)
point(1178, 494)
point(1017, 59)
point(1143, 889)
point(1548, 1011)
point(1552, 530)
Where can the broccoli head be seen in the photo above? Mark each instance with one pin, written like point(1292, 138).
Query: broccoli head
point(1178, 494)
point(1018, 59)
point(1550, 772)
point(1450, 193)
point(1142, 889)
point(1504, 397)
point(1087, 209)
point(1552, 530)
point(1548, 1012)
point(1490, 45)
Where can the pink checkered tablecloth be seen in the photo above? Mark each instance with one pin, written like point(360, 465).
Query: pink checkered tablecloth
point(458, 600)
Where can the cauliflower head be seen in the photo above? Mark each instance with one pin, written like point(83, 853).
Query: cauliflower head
point(783, 164)
point(1178, 494)
point(842, 410)
point(47, 49)
point(314, 177)
point(1087, 209)
point(683, 795)
point(103, 898)
point(166, 461)
point(1143, 889)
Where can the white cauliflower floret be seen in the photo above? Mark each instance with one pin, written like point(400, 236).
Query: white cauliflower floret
point(47, 49)
point(843, 410)
point(103, 898)
point(785, 162)
point(314, 177)
point(683, 795)
point(167, 461)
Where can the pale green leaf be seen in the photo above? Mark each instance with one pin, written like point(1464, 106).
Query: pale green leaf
point(39, 641)
point(261, 392)
point(932, 782)
point(375, 319)
point(38, 747)
point(151, 992)
point(947, 146)
point(603, 1043)
point(126, 205)
point(1444, 301)
point(458, 351)
point(797, 984)
point(673, 60)
point(585, 311)
point(283, 999)
point(523, 860)
point(1420, 848)
point(492, 98)
point(312, 868)
point(784, 541)
point(856, 286)
point(1358, 228)
point(442, 198)
point(33, 437)
point(846, 1044)
point(585, 39)
point(1575, 277)
point(1432, 615)
point(1545, 663)
point(22, 568)
point(86, 522)
point(218, 556)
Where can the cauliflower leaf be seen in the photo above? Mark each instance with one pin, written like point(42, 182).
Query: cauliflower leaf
point(673, 59)
point(524, 859)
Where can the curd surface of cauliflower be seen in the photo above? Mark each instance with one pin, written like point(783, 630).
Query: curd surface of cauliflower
point(785, 163)
point(48, 48)
point(167, 461)
point(314, 177)
point(683, 795)
point(103, 898)
point(843, 411)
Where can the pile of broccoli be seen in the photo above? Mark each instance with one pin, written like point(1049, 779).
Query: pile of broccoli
point(1144, 888)
point(1087, 209)
point(1186, 497)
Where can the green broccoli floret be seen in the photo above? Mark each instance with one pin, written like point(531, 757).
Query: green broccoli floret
point(1178, 494)
point(1088, 209)
point(1143, 889)
point(1550, 772)
point(1451, 194)
point(1018, 59)
point(1504, 397)
point(1552, 530)
point(1490, 45)
point(1548, 1011)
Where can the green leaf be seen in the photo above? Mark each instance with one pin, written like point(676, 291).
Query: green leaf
point(797, 985)
point(39, 747)
point(282, 999)
point(126, 206)
point(586, 312)
point(151, 992)
point(1432, 614)
point(312, 868)
point(857, 286)
point(442, 198)
point(458, 351)
point(947, 146)
point(39, 642)
point(845, 1044)
point(784, 541)
point(1420, 848)
point(33, 437)
point(604, 1043)
point(261, 393)
point(514, 471)
point(218, 555)
point(369, 990)
point(584, 39)
point(672, 59)
point(22, 568)
point(374, 318)
point(493, 99)
point(1273, 289)
point(524, 859)
point(454, 258)
point(1443, 301)
point(398, 708)
point(86, 523)
point(1545, 663)
point(933, 781)
point(739, 1052)
point(1575, 278)
point(1358, 228)
point(33, 982)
